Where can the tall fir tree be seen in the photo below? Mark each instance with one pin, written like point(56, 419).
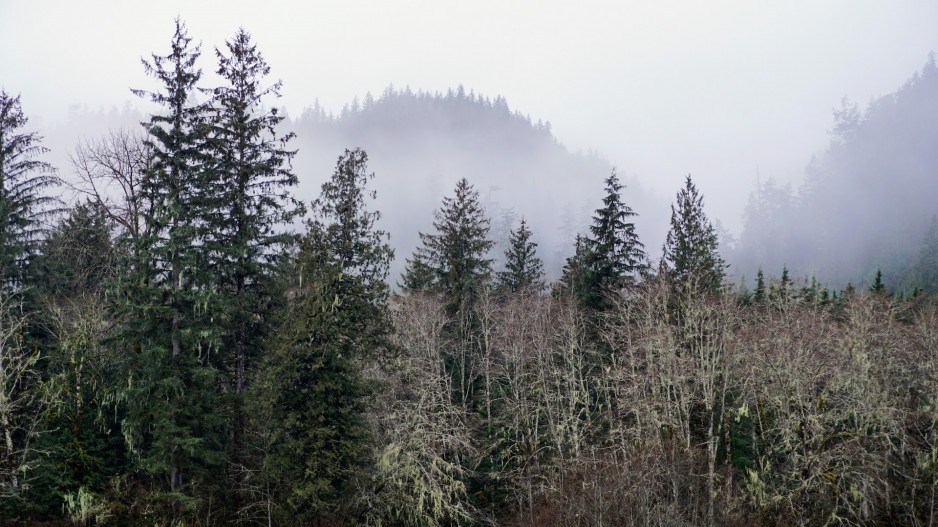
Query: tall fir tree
point(23, 205)
point(691, 258)
point(613, 256)
point(250, 176)
point(312, 385)
point(173, 421)
point(523, 268)
point(457, 252)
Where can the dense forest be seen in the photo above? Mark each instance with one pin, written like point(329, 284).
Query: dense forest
point(188, 343)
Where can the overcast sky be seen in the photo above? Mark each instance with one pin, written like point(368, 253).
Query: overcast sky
point(661, 88)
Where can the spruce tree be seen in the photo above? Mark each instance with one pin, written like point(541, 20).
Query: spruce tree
point(691, 258)
point(250, 178)
point(23, 177)
point(312, 384)
point(523, 268)
point(173, 421)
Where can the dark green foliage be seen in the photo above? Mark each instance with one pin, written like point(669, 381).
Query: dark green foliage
point(249, 177)
point(878, 287)
point(418, 275)
point(523, 268)
point(23, 178)
point(311, 388)
point(759, 296)
point(576, 277)
point(79, 256)
point(173, 422)
point(691, 257)
point(457, 252)
point(616, 256)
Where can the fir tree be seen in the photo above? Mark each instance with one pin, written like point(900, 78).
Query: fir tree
point(878, 288)
point(174, 420)
point(418, 275)
point(759, 296)
point(615, 256)
point(457, 251)
point(575, 276)
point(251, 177)
point(313, 386)
point(23, 177)
point(691, 259)
point(523, 269)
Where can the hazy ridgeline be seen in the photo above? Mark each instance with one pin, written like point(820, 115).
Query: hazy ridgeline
point(208, 335)
point(867, 201)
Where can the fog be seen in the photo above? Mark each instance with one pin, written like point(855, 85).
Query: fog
point(733, 93)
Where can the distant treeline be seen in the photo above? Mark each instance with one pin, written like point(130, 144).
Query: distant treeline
point(868, 201)
point(173, 353)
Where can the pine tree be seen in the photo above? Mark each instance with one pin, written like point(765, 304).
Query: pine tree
point(336, 319)
point(23, 177)
point(691, 257)
point(523, 269)
point(174, 420)
point(615, 256)
point(250, 178)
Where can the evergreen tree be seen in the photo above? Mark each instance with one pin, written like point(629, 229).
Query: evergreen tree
point(615, 256)
point(174, 421)
point(691, 258)
point(575, 276)
point(250, 177)
point(457, 251)
point(878, 287)
point(418, 275)
point(523, 269)
point(79, 257)
point(312, 382)
point(759, 296)
point(23, 177)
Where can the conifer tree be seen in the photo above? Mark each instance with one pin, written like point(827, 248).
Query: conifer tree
point(614, 257)
point(457, 251)
point(312, 383)
point(23, 177)
point(691, 258)
point(418, 275)
point(574, 279)
point(250, 177)
point(173, 419)
point(523, 268)
point(878, 287)
point(759, 296)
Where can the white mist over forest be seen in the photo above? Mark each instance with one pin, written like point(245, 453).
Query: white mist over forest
point(428, 264)
point(734, 95)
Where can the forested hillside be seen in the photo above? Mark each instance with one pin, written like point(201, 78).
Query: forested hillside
point(422, 143)
point(867, 202)
point(191, 343)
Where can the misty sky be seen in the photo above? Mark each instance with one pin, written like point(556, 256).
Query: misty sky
point(661, 88)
